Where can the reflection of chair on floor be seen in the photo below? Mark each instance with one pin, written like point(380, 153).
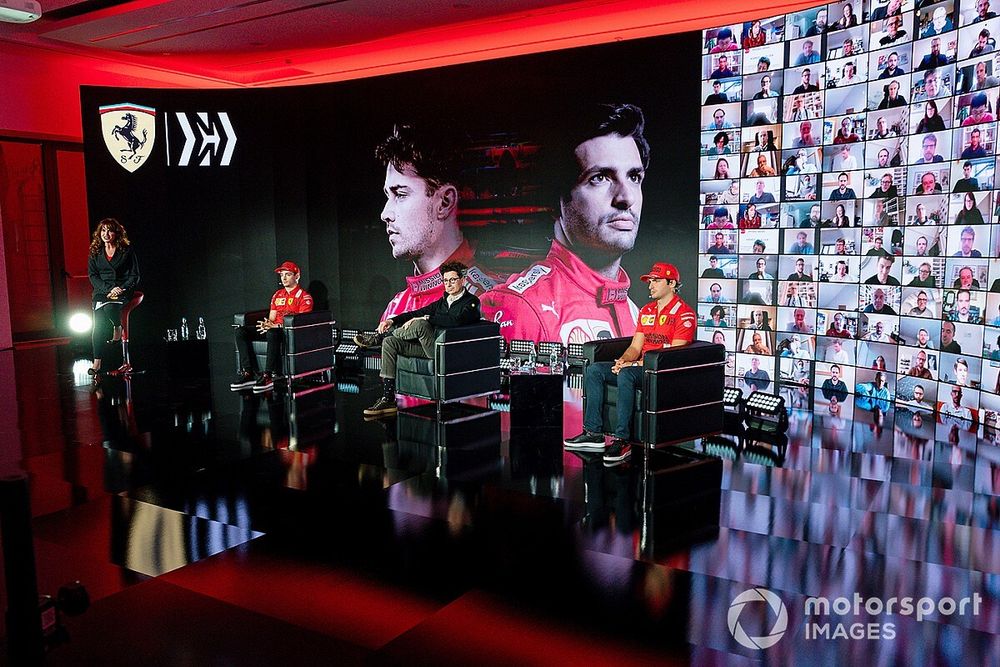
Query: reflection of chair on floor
point(307, 347)
point(466, 364)
point(681, 499)
point(133, 303)
point(466, 446)
point(679, 395)
point(263, 422)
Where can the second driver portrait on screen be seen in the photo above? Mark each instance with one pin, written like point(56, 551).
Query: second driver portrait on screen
point(579, 292)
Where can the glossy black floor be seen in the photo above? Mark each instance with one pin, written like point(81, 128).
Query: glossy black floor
point(215, 528)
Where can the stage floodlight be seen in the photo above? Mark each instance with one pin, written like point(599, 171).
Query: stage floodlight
point(346, 344)
point(546, 348)
point(766, 413)
point(503, 347)
point(733, 409)
point(522, 347)
point(574, 355)
point(80, 323)
point(732, 400)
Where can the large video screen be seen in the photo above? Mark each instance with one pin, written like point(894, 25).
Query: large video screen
point(848, 251)
point(387, 178)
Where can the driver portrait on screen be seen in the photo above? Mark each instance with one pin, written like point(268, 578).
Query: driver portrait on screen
point(421, 214)
point(579, 292)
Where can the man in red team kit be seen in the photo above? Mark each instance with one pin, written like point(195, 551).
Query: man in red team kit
point(664, 322)
point(579, 292)
point(290, 299)
point(421, 214)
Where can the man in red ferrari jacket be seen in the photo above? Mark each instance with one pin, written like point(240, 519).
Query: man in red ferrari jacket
point(666, 321)
point(290, 299)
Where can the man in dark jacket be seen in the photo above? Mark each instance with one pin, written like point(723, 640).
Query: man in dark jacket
point(416, 330)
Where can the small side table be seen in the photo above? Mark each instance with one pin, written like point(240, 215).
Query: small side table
point(536, 400)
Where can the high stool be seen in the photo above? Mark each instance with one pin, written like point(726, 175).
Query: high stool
point(126, 368)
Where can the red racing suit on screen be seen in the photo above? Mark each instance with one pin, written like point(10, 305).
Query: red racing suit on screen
point(424, 289)
point(290, 303)
point(561, 299)
point(661, 327)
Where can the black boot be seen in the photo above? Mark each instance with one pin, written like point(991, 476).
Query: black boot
point(371, 340)
point(386, 405)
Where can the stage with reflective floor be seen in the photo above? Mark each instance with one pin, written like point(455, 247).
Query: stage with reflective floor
point(211, 527)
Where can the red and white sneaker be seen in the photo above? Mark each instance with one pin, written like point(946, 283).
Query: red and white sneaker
point(618, 452)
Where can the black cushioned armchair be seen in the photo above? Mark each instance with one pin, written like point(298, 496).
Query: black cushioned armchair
point(466, 363)
point(680, 395)
point(308, 346)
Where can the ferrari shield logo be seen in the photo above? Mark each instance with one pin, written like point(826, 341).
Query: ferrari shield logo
point(129, 133)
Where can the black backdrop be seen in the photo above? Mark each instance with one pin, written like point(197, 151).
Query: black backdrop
point(304, 183)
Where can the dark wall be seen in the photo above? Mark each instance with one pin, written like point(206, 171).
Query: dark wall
point(304, 183)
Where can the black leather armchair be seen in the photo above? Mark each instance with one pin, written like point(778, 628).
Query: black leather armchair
point(466, 363)
point(680, 395)
point(308, 351)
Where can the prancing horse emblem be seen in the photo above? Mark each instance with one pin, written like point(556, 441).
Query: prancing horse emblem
point(129, 133)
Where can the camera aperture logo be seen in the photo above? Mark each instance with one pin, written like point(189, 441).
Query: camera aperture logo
point(776, 605)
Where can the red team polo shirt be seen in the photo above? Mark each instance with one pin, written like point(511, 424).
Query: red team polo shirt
point(661, 327)
point(290, 303)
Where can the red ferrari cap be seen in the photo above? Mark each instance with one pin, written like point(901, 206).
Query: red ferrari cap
point(662, 270)
point(288, 266)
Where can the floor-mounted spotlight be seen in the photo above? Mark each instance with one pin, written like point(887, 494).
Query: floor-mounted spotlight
point(522, 348)
point(765, 413)
point(732, 405)
point(574, 355)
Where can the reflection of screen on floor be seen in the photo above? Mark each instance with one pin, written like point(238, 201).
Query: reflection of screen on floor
point(861, 185)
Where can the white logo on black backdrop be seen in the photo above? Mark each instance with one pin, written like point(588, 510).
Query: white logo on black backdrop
point(757, 594)
point(129, 131)
point(208, 139)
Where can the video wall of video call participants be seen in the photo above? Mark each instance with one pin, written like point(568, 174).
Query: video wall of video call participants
point(849, 236)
